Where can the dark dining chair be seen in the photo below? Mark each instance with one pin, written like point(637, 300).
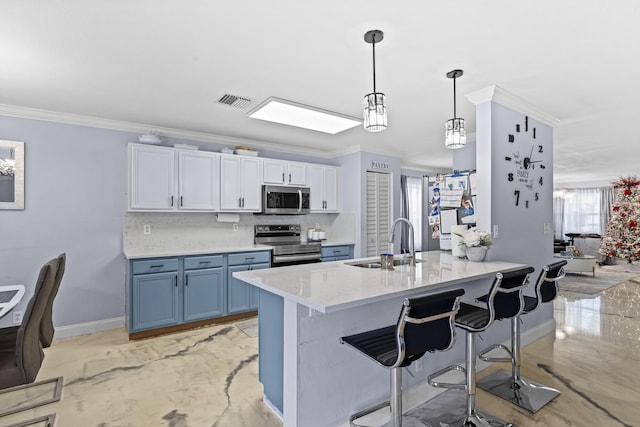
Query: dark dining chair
point(20, 362)
point(46, 326)
point(47, 330)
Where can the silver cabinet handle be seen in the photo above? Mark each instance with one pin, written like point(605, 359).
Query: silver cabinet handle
point(289, 178)
point(239, 202)
point(180, 201)
point(299, 197)
point(157, 266)
point(171, 201)
point(282, 176)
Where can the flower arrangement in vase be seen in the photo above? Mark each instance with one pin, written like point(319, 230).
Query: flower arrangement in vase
point(475, 243)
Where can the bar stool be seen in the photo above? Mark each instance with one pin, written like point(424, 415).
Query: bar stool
point(523, 392)
point(505, 300)
point(425, 324)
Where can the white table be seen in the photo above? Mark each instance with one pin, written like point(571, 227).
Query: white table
point(10, 296)
point(579, 264)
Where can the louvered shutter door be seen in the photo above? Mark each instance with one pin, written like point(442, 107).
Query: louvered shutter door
point(378, 212)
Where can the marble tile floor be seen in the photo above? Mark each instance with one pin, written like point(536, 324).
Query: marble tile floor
point(208, 377)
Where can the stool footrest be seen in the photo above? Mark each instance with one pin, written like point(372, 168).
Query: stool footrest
point(482, 355)
point(367, 411)
point(431, 378)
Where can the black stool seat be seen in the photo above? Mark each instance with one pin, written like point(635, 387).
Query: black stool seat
point(425, 325)
point(379, 344)
point(472, 317)
point(521, 391)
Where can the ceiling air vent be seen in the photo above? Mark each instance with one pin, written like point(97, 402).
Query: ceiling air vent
point(234, 101)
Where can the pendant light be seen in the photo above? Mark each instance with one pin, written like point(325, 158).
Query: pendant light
point(455, 133)
point(375, 108)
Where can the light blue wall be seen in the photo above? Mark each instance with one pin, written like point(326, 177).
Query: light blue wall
point(521, 230)
point(74, 201)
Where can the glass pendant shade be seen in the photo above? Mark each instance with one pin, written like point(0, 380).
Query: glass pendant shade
point(455, 134)
point(375, 112)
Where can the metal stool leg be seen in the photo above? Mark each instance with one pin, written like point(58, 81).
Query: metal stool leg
point(394, 404)
point(523, 392)
point(396, 397)
point(447, 408)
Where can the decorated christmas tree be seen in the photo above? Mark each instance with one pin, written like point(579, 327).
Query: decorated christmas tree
point(622, 239)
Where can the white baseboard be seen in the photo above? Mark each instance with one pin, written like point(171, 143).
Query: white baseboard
point(89, 327)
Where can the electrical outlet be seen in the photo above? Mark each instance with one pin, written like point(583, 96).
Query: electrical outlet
point(317, 226)
point(146, 229)
point(235, 227)
point(495, 231)
point(419, 365)
point(547, 228)
point(17, 317)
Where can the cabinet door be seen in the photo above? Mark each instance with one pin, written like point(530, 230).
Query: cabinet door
point(238, 292)
point(316, 185)
point(250, 178)
point(151, 178)
point(154, 300)
point(274, 171)
point(331, 189)
point(229, 186)
point(240, 295)
point(297, 174)
point(198, 180)
point(254, 299)
point(203, 294)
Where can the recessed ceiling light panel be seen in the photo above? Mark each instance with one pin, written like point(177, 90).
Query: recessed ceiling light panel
point(294, 114)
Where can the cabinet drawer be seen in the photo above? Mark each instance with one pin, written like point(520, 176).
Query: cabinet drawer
point(336, 251)
point(210, 261)
point(249, 258)
point(155, 265)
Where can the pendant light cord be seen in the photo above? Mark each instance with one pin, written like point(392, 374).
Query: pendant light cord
point(374, 61)
point(454, 97)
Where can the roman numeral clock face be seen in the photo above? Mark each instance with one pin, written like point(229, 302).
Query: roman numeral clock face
point(527, 171)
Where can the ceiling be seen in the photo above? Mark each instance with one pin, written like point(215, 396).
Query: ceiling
point(165, 63)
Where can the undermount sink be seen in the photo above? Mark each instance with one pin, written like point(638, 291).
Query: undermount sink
point(376, 264)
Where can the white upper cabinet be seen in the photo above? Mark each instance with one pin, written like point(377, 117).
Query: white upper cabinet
point(198, 187)
point(151, 178)
point(324, 182)
point(240, 183)
point(165, 179)
point(281, 172)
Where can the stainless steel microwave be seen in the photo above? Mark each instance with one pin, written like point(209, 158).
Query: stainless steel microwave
point(281, 200)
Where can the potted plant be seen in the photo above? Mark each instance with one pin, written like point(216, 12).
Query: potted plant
point(475, 243)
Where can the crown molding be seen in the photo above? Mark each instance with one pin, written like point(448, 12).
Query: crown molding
point(500, 96)
point(119, 125)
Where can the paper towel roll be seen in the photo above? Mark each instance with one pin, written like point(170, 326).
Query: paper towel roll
point(456, 248)
point(228, 217)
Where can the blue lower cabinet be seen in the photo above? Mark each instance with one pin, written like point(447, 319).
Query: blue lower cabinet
point(240, 295)
point(203, 294)
point(337, 253)
point(171, 291)
point(155, 301)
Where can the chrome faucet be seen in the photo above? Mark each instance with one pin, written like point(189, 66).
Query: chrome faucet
point(411, 238)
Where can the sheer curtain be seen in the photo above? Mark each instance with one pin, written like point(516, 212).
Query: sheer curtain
point(581, 210)
point(411, 208)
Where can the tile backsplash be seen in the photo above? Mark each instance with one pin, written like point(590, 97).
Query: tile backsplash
point(202, 231)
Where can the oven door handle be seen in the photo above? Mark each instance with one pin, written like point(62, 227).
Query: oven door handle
point(288, 258)
point(299, 200)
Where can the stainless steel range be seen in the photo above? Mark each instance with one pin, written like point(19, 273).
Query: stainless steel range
point(288, 247)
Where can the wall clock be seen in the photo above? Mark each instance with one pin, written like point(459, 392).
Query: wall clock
point(527, 170)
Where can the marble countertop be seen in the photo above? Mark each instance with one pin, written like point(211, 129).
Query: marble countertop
point(333, 286)
point(156, 253)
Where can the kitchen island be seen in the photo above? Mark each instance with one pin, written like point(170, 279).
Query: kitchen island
point(309, 378)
